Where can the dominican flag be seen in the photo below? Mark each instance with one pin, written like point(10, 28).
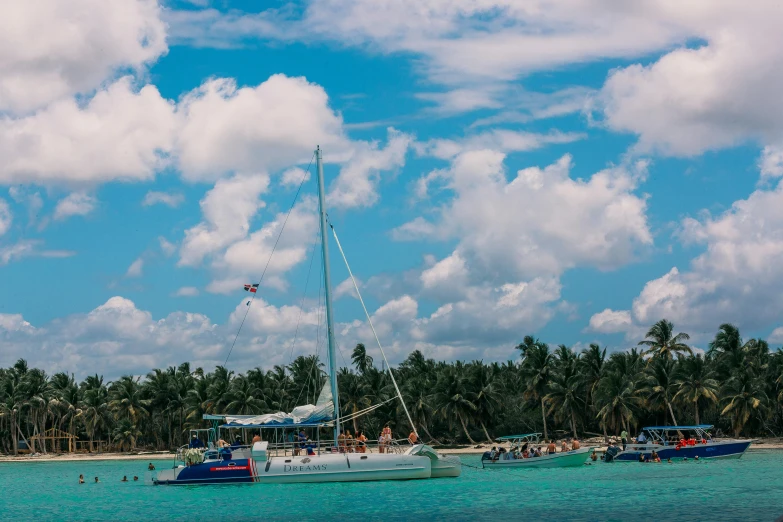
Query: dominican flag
point(251, 288)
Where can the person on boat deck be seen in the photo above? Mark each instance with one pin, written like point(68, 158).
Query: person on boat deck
point(256, 438)
point(302, 438)
point(564, 446)
point(551, 449)
point(349, 441)
point(362, 442)
point(341, 441)
point(493, 453)
point(387, 434)
point(641, 439)
point(624, 438)
point(237, 443)
point(575, 445)
point(381, 443)
point(525, 454)
point(195, 442)
point(413, 438)
point(222, 444)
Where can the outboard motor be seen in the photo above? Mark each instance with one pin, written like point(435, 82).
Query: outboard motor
point(486, 455)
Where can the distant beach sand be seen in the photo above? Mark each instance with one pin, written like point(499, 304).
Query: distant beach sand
point(758, 444)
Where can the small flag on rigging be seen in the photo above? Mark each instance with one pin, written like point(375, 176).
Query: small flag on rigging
point(251, 288)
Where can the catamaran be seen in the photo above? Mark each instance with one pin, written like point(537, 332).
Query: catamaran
point(680, 442)
point(288, 454)
point(519, 444)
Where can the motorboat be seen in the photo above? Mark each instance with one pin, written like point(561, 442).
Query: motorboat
point(518, 444)
point(680, 442)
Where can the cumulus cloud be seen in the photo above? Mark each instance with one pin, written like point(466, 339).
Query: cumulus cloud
point(719, 93)
point(599, 221)
point(75, 204)
point(172, 200)
point(356, 185)
point(121, 133)
point(167, 247)
point(51, 50)
point(226, 128)
point(227, 209)
point(737, 277)
point(294, 176)
point(500, 140)
point(611, 321)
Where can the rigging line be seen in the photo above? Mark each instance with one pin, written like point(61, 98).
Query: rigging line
point(391, 374)
point(253, 297)
point(317, 345)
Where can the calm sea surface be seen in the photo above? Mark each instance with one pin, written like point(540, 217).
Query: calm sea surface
point(747, 489)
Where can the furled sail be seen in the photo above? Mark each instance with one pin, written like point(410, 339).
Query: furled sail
point(321, 411)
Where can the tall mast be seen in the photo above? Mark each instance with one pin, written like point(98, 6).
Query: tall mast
point(328, 295)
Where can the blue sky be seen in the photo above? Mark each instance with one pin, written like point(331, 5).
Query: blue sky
point(494, 170)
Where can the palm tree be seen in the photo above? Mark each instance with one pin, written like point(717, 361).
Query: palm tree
point(537, 366)
point(361, 359)
point(353, 394)
point(660, 385)
point(696, 383)
point(126, 399)
point(743, 395)
point(95, 410)
point(453, 400)
point(245, 399)
point(487, 398)
point(565, 398)
point(661, 341)
point(617, 399)
point(125, 434)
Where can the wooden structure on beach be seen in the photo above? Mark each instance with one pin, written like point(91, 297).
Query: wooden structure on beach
point(54, 438)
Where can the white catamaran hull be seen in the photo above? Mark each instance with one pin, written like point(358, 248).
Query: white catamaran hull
point(419, 462)
point(558, 460)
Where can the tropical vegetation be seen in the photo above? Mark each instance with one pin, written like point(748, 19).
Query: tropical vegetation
point(736, 385)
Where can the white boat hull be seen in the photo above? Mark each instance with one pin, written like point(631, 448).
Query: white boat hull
point(566, 459)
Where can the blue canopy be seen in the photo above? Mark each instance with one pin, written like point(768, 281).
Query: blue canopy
point(677, 428)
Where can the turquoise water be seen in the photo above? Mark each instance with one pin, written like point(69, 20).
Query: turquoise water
point(747, 489)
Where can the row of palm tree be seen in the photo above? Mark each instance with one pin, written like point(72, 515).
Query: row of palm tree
point(736, 385)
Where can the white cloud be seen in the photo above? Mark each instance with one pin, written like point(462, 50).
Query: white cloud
point(136, 268)
point(75, 204)
point(153, 198)
point(736, 279)
point(346, 288)
point(599, 221)
point(498, 140)
point(5, 216)
point(267, 127)
point(611, 321)
point(357, 183)
point(168, 248)
point(718, 94)
point(29, 248)
point(771, 163)
point(51, 49)
point(120, 134)
point(187, 291)
point(294, 176)
point(227, 209)
point(776, 336)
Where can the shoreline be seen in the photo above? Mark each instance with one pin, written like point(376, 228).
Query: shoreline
point(66, 457)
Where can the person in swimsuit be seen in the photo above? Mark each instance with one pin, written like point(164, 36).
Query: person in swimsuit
point(551, 449)
point(413, 438)
point(81, 479)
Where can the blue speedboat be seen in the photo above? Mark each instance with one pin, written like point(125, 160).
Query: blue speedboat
point(681, 442)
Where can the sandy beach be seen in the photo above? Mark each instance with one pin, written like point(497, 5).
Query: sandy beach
point(758, 444)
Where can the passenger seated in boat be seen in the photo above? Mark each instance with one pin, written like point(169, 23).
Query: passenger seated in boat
point(492, 453)
point(310, 450)
point(256, 438)
point(537, 452)
point(413, 438)
point(195, 442)
point(564, 446)
point(349, 441)
point(237, 443)
point(575, 445)
point(641, 439)
point(341, 442)
point(222, 444)
point(525, 454)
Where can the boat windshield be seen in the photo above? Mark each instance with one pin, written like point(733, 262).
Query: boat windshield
point(667, 435)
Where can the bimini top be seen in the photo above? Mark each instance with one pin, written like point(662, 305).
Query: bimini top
point(515, 437)
point(678, 428)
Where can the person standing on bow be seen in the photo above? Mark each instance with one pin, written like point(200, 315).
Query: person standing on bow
point(624, 438)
